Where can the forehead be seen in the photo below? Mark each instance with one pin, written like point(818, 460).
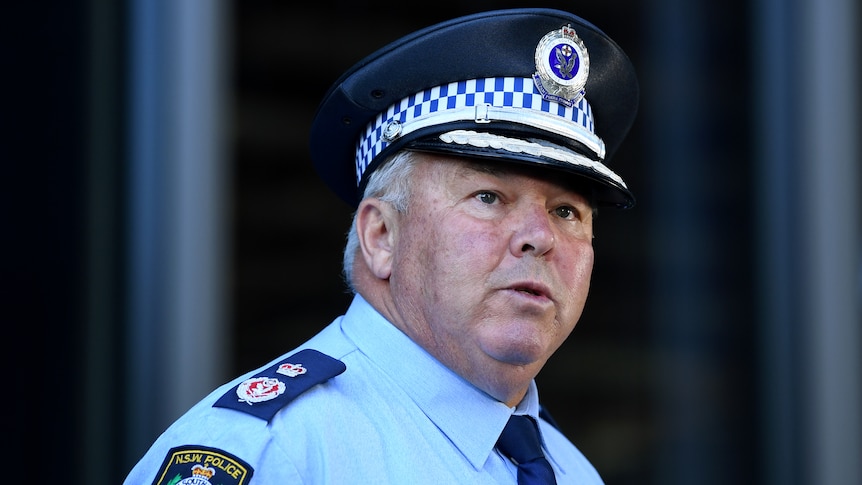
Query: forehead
point(462, 167)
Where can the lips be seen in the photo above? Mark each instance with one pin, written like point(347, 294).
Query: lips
point(533, 289)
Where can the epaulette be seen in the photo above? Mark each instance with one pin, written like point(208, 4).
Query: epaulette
point(272, 389)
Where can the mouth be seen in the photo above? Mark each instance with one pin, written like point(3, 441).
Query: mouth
point(532, 289)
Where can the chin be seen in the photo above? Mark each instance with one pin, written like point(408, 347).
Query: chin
point(520, 354)
point(518, 345)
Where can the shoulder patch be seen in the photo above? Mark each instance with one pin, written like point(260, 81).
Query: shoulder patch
point(272, 389)
point(202, 465)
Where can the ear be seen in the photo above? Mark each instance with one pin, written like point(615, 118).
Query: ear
point(375, 226)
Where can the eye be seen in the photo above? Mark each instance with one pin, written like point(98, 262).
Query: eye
point(487, 197)
point(565, 212)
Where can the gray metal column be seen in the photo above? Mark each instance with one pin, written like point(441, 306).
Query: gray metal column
point(830, 168)
point(178, 211)
point(808, 76)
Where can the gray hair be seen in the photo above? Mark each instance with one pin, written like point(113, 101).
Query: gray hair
point(390, 183)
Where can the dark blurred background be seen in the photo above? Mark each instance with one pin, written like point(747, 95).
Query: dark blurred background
point(167, 231)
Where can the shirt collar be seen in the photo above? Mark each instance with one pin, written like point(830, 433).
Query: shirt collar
point(444, 396)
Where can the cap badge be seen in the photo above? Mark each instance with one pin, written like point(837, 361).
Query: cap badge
point(562, 66)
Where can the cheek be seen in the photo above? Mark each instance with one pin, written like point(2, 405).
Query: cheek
point(473, 249)
point(437, 252)
point(473, 237)
point(457, 237)
point(457, 259)
point(584, 261)
point(578, 270)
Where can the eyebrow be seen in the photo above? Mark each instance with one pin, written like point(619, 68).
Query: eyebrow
point(573, 185)
point(483, 168)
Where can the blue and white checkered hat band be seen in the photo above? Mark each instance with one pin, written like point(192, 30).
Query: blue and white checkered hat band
point(509, 99)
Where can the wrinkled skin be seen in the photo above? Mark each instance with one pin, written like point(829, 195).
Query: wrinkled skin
point(488, 269)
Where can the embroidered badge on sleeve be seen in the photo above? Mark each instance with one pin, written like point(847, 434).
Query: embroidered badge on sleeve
point(202, 465)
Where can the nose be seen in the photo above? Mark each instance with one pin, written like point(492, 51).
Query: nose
point(533, 232)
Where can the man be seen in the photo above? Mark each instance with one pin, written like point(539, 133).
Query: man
point(474, 153)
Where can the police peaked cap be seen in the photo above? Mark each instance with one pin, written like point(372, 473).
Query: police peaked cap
point(530, 86)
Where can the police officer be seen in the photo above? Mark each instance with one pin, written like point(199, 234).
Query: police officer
point(475, 153)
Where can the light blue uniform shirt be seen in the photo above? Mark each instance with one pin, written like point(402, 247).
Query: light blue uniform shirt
point(396, 415)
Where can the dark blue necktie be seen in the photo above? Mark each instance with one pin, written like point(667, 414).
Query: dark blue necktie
point(520, 442)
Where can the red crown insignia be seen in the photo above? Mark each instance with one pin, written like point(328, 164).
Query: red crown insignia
point(291, 370)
